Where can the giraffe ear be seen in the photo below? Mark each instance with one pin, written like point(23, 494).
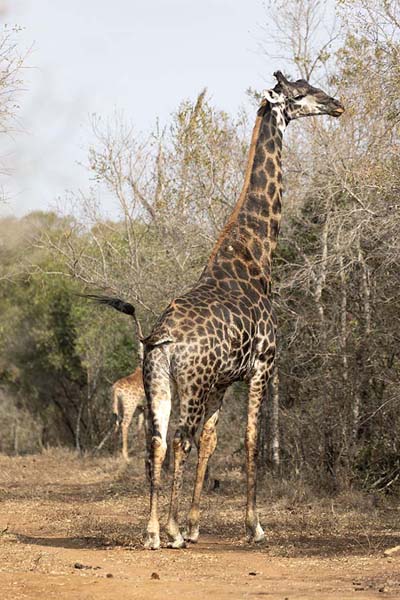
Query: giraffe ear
point(273, 97)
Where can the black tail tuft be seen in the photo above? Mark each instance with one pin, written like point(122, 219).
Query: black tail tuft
point(117, 303)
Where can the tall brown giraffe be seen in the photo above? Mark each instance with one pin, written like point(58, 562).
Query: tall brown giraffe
point(223, 329)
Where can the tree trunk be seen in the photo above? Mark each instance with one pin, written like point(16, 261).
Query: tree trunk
point(16, 441)
point(78, 428)
point(262, 455)
point(330, 450)
point(363, 366)
point(343, 319)
point(273, 393)
point(269, 442)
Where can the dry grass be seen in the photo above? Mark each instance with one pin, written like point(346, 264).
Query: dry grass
point(101, 502)
point(58, 510)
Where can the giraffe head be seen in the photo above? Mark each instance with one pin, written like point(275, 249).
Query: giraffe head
point(300, 99)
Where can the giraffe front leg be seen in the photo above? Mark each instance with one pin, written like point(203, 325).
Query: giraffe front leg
point(182, 447)
point(140, 423)
point(257, 389)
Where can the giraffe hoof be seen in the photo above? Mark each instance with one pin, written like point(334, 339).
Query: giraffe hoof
point(256, 536)
point(177, 543)
point(152, 541)
point(192, 535)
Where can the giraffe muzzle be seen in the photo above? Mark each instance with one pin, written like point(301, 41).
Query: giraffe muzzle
point(336, 109)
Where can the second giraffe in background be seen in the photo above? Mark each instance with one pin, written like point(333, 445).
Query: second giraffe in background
point(128, 398)
point(128, 395)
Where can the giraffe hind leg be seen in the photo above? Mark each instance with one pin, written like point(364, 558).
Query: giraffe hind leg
point(158, 393)
point(140, 422)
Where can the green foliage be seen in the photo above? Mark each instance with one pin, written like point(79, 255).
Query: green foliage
point(336, 271)
point(57, 352)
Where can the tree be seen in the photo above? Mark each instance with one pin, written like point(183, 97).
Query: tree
point(11, 66)
point(173, 192)
point(56, 363)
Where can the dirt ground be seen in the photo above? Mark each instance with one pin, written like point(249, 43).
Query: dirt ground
point(71, 528)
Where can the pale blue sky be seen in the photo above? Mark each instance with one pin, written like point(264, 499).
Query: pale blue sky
point(140, 56)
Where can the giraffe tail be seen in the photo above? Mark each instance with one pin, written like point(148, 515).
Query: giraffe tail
point(160, 334)
point(124, 307)
point(117, 303)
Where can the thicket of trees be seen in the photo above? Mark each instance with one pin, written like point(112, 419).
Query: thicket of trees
point(336, 270)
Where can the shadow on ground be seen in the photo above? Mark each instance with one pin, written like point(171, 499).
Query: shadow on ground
point(59, 500)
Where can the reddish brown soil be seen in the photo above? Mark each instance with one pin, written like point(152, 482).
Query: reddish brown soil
point(71, 528)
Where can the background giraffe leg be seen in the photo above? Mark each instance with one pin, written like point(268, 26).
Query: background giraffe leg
point(257, 389)
point(207, 445)
point(125, 430)
point(158, 394)
point(140, 423)
point(182, 446)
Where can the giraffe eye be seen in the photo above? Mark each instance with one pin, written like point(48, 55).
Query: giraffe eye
point(299, 97)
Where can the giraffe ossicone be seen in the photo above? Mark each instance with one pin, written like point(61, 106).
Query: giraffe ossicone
point(273, 97)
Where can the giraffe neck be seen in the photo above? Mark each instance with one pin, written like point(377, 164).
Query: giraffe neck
point(243, 251)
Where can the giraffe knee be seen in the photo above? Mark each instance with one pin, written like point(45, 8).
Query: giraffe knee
point(184, 445)
point(157, 442)
point(208, 443)
point(158, 446)
point(209, 432)
point(182, 441)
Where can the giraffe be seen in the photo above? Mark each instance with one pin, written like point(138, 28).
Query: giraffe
point(127, 393)
point(127, 397)
point(223, 329)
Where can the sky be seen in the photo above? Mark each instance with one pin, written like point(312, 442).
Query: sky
point(142, 57)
